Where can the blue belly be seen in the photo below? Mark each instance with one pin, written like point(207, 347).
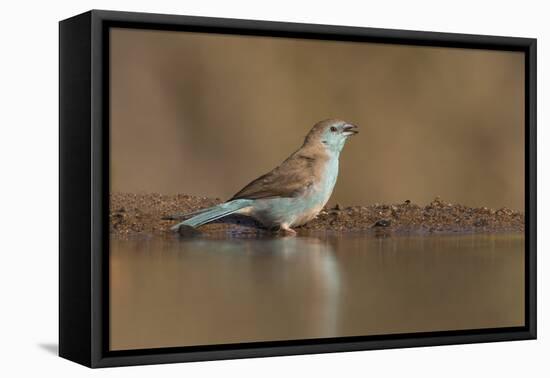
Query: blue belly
point(290, 211)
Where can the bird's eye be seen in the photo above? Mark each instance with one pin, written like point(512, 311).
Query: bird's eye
point(333, 129)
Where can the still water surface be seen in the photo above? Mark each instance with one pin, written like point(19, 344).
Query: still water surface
point(179, 292)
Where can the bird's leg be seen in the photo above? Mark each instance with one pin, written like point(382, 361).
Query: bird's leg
point(286, 230)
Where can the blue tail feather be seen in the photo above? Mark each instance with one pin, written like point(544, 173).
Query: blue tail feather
point(214, 213)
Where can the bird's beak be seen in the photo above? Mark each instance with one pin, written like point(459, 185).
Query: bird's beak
point(350, 129)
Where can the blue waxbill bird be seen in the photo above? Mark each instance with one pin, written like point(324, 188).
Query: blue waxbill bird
point(293, 193)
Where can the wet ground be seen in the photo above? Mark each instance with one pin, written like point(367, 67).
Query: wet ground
point(145, 214)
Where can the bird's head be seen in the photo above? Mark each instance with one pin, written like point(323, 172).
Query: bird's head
point(330, 133)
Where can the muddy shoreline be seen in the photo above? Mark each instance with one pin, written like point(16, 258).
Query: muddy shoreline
point(144, 214)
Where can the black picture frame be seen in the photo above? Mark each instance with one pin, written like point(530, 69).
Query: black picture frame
point(84, 187)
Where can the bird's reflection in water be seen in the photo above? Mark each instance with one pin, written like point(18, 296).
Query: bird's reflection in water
point(301, 272)
point(319, 274)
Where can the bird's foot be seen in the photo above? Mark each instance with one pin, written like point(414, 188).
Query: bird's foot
point(287, 231)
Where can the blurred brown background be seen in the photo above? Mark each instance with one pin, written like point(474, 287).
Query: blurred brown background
point(205, 114)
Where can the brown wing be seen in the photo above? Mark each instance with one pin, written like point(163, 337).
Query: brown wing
point(289, 179)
